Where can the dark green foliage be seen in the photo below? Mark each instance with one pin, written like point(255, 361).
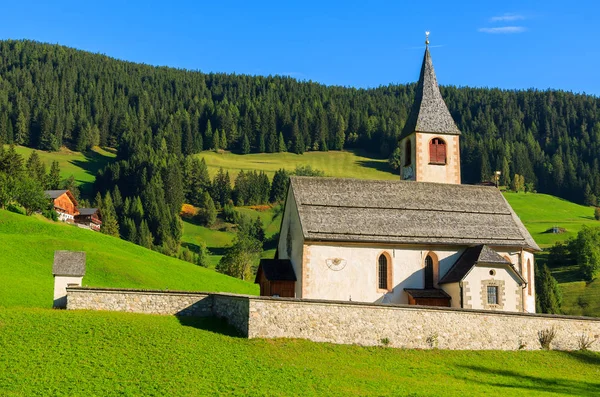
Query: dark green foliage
point(245, 145)
point(30, 194)
point(145, 236)
point(279, 186)
point(53, 181)
point(70, 185)
point(307, 170)
point(552, 138)
point(229, 212)
point(258, 230)
point(582, 250)
point(547, 292)
point(242, 258)
point(251, 188)
point(395, 159)
point(221, 188)
point(195, 181)
point(597, 213)
point(207, 214)
point(110, 224)
point(586, 247)
point(36, 169)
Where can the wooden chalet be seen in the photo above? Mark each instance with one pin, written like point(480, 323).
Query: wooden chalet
point(89, 218)
point(65, 204)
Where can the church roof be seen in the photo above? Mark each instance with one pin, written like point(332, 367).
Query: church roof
point(354, 210)
point(472, 256)
point(429, 112)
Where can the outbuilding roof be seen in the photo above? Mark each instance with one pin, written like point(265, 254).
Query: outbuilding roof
point(429, 112)
point(87, 211)
point(276, 270)
point(354, 210)
point(480, 254)
point(69, 263)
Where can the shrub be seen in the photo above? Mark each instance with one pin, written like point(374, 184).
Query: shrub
point(50, 214)
point(15, 208)
point(597, 213)
point(584, 342)
point(546, 336)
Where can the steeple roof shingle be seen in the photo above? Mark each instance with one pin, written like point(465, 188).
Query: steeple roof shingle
point(429, 112)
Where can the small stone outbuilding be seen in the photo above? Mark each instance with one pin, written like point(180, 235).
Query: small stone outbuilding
point(68, 269)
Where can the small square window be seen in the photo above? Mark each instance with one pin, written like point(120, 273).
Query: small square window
point(492, 295)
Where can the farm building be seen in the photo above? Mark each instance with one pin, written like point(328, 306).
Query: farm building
point(424, 240)
point(65, 204)
point(89, 218)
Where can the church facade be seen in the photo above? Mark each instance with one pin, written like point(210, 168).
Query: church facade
point(425, 239)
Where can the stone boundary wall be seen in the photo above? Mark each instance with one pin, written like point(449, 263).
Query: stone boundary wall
point(401, 326)
point(179, 303)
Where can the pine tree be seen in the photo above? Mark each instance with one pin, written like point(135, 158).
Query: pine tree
point(282, 146)
point(279, 186)
point(223, 143)
point(547, 293)
point(145, 238)
point(245, 145)
point(110, 225)
point(54, 176)
point(216, 141)
point(208, 136)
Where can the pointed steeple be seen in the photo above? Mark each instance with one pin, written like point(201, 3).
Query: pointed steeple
point(429, 112)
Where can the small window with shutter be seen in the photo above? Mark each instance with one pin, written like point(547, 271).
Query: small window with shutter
point(437, 151)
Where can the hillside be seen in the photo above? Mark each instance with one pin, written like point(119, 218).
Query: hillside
point(50, 352)
point(82, 165)
point(28, 246)
point(53, 96)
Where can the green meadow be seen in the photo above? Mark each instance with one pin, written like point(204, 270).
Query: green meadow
point(27, 246)
point(342, 164)
point(80, 353)
point(83, 166)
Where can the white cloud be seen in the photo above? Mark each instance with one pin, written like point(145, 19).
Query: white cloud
point(507, 17)
point(504, 30)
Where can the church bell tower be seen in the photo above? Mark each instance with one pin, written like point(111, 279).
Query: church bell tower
point(429, 142)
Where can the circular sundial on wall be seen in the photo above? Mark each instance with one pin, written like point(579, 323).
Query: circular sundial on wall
point(336, 264)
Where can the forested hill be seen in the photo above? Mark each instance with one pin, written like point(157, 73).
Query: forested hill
point(52, 95)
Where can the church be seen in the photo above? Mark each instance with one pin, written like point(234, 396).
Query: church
point(423, 240)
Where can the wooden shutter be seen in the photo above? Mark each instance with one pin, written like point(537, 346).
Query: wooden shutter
point(437, 151)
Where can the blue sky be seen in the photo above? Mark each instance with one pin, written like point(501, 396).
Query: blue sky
point(506, 44)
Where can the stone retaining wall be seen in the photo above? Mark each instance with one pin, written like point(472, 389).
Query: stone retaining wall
point(400, 326)
point(140, 301)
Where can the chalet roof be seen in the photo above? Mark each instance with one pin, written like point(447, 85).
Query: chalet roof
point(480, 254)
point(87, 211)
point(69, 263)
point(429, 112)
point(53, 194)
point(354, 210)
point(276, 270)
point(432, 293)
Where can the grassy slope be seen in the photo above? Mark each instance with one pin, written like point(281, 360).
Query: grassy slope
point(48, 352)
point(27, 249)
point(83, 166)
point(334, 163)
point(539, 212)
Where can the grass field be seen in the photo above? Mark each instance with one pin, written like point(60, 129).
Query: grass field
point(64, 353)
point(83, 166)
point(337, 164)
point(27, 248)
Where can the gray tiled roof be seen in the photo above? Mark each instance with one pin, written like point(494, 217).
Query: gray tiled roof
point(355, 210)
point(472, 255)
point(277, 270)
point(69, 263)
point(54, 193)
point(87, 211)
point(429, 112)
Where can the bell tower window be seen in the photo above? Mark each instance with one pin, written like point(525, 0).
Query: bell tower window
point(407, 153)
point(437, 151)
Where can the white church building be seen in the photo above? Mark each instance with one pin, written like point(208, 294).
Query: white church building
point(425, 240)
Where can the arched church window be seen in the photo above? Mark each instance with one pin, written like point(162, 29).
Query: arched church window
point(384, 272)
point(428, 272)
point(407, 153)
point(437, 151)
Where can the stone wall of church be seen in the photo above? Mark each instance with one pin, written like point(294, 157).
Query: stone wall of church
point(414, 327)
point(366, 324)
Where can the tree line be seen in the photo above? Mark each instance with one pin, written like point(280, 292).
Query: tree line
point(52, 96)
